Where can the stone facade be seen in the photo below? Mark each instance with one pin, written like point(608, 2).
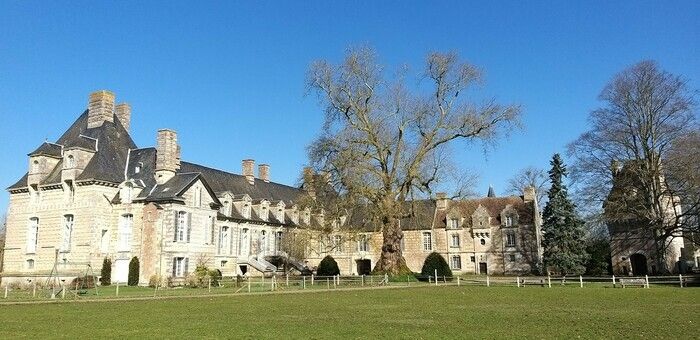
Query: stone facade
point(94, 194)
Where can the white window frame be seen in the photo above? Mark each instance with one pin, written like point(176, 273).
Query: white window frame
point(453, 223)
point(224, 239)
point(67, 232)
point(278, 240)
point(104, 241)
point(338, 243)
point(126, 226)
point(263, 241)
point(180, 264)
point(32, 235)
point(456, 262)
point(510, 239)
point(70, 162)
point(244, 246)
point(363, 243)
point(427, 241)
point(181, 229)
point(509, 221)
point(198, 197)
point(453, 238)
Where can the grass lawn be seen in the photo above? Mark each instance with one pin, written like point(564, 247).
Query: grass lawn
point(425, 312)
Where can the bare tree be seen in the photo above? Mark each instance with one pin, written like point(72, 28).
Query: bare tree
point(529, 177)
point(383, 144)
point(646, 111)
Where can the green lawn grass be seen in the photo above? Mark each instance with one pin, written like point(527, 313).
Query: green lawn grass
point(425, 312)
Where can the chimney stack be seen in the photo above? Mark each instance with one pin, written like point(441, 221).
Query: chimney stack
point(441, 200)
point(529, 194)
point(264, 172)
point(100, 108)
point(168, 155)
point(123, 113)
point(248, 170)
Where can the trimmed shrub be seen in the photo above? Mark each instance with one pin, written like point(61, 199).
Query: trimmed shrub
point(328, 267)
point(133, 271)
point(106, 272)
point(435, 261)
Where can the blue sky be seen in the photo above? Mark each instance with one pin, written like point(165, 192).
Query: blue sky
point(229, 76)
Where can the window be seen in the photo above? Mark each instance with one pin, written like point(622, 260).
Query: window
point(511, 257)
point(509, 221)
point(223, 263)
point(455, 240)
point(472, 259)
point(137, 168)
point(30, 264)
point(244, 247)
point(182, 227)
point(263, 241)
point(453, 223)
point(198, 197)
point(482, 241)
point(70, 191)
point(427, 242)
point(510, 239)
point(278, 241)
point(32, 234)
point(35, 166)
point(126, 224)
point(209, 230)
point(456, 262)
point(67, 231)
point(227, 208)
point(246, 210)
point(224, 240)
point(104, 241)
point(363, 244)
point(338, 243)
point(70, 162)
point(180, 265)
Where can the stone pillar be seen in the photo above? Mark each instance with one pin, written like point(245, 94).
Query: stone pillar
point(168, 155)
point(248, 168)
point(100, 108)
point(123, 113)
point(264, 172)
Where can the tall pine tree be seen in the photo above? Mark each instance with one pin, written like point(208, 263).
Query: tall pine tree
point(562, 229)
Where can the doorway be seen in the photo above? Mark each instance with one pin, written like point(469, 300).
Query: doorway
point(639, 264)
point(483, 268)
point(364, 267)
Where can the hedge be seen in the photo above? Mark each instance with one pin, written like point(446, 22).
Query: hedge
point(435, 261)
point(328, 267)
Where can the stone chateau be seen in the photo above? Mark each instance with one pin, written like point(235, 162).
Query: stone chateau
point(95, 194)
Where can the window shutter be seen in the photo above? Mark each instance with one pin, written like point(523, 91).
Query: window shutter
point(174, 266)
point(176, 226)
point(187, 264)
point(189, 226)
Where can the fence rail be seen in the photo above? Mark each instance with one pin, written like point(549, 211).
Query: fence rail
point(35, 290)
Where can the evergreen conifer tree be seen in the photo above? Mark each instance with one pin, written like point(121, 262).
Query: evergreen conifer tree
point(562, 229)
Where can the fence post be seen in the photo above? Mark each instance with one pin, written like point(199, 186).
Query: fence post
point(335, 281)
point(363, 280)
point(614, 284)
point(646, 280)
point(34, 289)
point(304, 282)
point(210, 284)
point(249, 278)
point(371, 280)
point(580, 280)
point(63, 290)
point(549, 281)
point(680, 279)
point(328, 283)
point(386, 279)
point(286, 279)
point(117, 293)
point(517, 280)
point(457, 280)
point(312, 279)
point(6, 290)
point(408, 280)
point(436, 279)
point(488, 282)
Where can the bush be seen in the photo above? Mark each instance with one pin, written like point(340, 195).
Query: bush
point(133, 271)
point(327, 267)
point(216, 276)
point(83, 282)
point(106, 272)
point(155, 280)
point(435, 261)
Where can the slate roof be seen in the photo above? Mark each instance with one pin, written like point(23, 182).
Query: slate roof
point(112, 145)
point(494, 205)
point(47, 149)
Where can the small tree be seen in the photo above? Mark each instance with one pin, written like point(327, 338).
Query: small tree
point(328, 267)
point(106, 272)
point(433, 262)
point(134, 271)
point(562, 229)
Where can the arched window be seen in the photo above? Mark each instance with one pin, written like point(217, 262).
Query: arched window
point(182, 227)
point(70, 162)
point(244, 247)
point(482, 241)
point(32, 234)
point(35, 166)
point(224, 240)
point(263, 241)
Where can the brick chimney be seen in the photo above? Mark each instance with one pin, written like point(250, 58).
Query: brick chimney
point(441, 200)
point(264, 172)
point(100, 108)
point(168, 155)
point(123, 113)
point(248, 166)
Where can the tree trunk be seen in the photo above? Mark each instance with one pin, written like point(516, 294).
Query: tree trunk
point(391, 260)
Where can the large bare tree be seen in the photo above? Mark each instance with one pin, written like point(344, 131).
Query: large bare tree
point(646, 112)
point(529, 177)
point(384, 144)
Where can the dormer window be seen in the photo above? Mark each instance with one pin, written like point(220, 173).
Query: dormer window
point(453, 223)
point(35, 166)
point(137, 169)
point(227, 208)
point(246, 210)
point(509, 221)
